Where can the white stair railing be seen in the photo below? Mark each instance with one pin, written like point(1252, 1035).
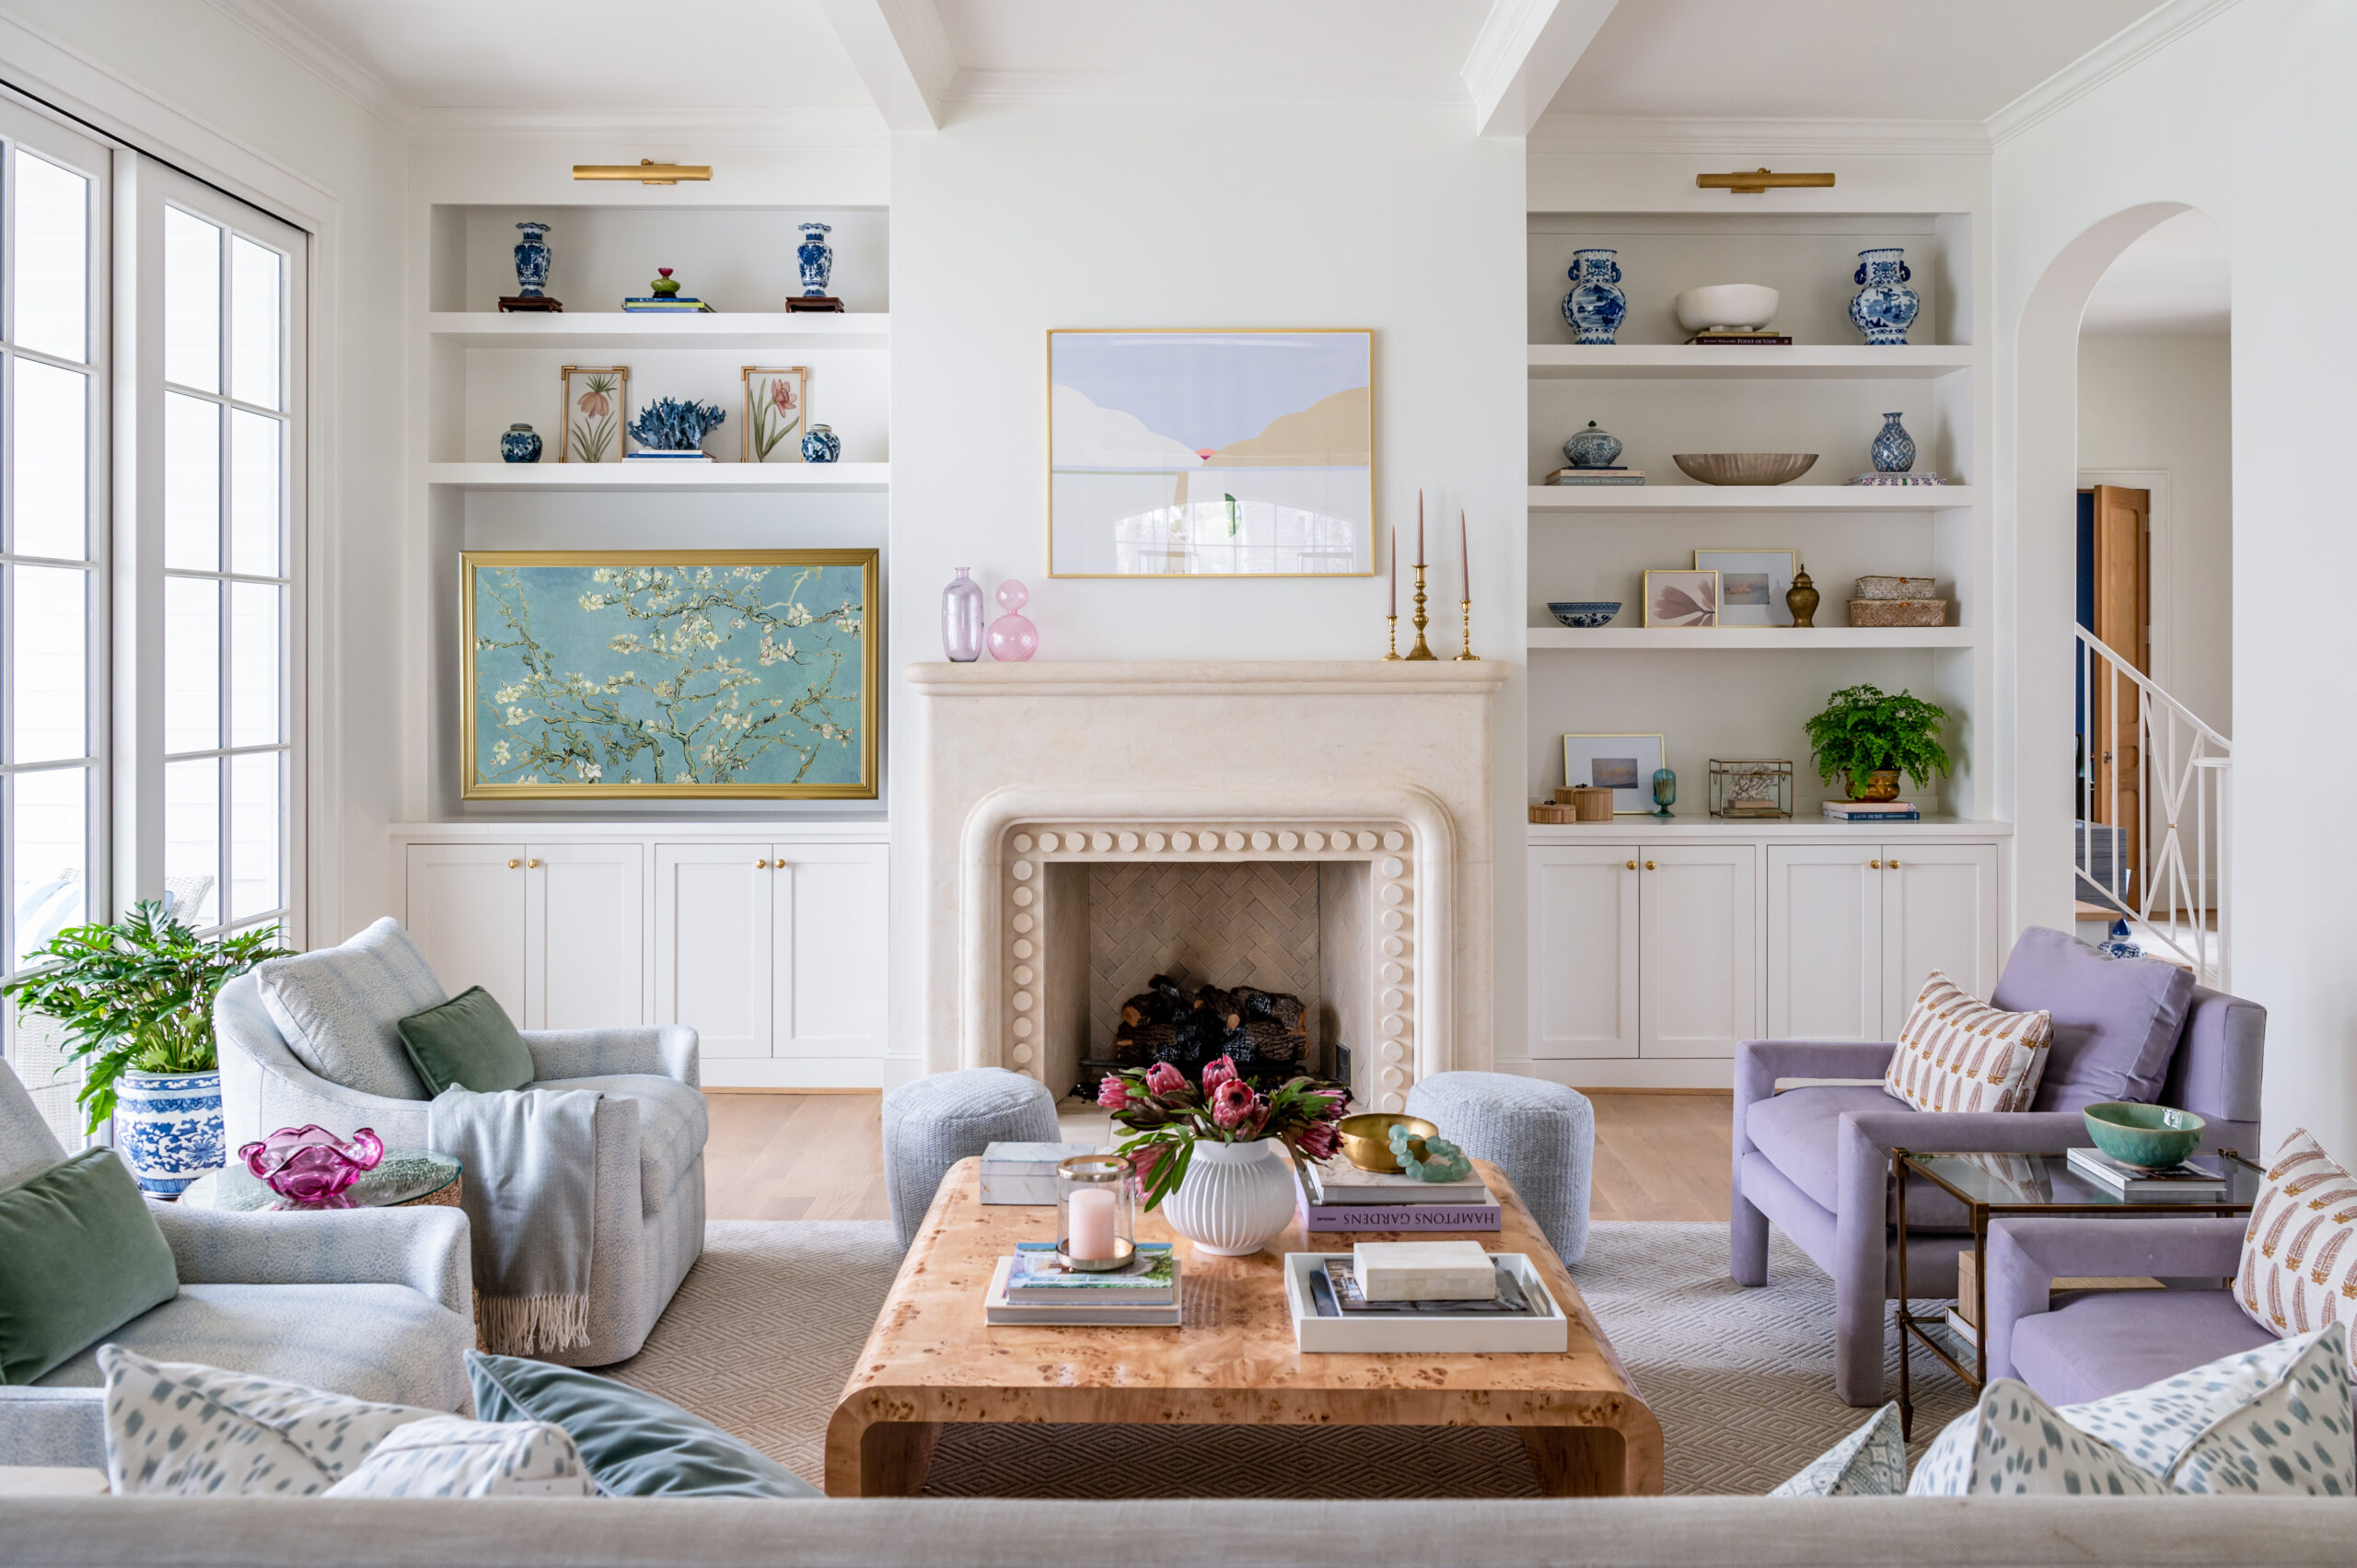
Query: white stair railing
point(2182, 768)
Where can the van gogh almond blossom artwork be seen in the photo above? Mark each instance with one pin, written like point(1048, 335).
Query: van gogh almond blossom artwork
point(672, 673)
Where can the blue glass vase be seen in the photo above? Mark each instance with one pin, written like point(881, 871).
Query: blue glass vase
point(532, 260)
point(816, 258)
point(1894, 449)
point(1664, 792)
point(520, 444)
point(1595, 305)
point(1885, 307)
point(820, 445)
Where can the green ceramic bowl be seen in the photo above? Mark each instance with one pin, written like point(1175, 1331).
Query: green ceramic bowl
point(2153, 1137)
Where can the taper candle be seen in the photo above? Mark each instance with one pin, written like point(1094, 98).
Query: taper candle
point(1395, 569)
point(1420, 525)
point(1464, 560)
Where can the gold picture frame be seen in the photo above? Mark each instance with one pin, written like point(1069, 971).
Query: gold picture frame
point(553, 695)
point(1208, 411)
point(604, 424)
point(763, 413)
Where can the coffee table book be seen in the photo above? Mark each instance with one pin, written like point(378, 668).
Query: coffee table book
point(1000, 1313)
point(2132, 1181)
point(1343, 1219)
point(1546, 1329)
point(1035, 1278)
point(1339, 1183)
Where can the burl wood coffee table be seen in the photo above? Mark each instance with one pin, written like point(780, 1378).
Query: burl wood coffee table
point(932, 1360)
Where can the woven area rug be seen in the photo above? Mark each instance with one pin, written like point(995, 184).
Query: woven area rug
point(762, 1335)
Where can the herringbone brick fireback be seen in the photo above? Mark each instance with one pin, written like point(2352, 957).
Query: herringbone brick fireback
point(1227, 924)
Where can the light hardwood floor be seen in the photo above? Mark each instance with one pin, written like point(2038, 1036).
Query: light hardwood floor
point(1659, 1156)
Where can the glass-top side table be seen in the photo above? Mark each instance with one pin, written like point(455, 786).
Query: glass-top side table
point(1993, 1186)
point(401, 1177)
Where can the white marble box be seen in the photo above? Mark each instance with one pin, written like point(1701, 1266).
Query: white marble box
point(1024, 1173)
point(1424, 1271)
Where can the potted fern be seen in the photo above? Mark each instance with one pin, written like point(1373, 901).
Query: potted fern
point(1870, 737)
point(135, 1000)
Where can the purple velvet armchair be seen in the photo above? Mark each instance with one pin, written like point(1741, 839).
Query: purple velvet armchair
point(1816, 1159)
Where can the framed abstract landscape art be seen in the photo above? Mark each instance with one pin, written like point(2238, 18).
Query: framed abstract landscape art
point(678, 674)
point(1222, 454)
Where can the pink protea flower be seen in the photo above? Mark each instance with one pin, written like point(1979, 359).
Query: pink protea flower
point(1319, 1140)
point(1141, 1166)
point(1233, 1102)
point(1222, 1071)
point(1162, 1078)
point(1113, 1093)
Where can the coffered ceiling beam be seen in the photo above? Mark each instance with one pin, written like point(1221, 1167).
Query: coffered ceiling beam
point(901, 52)
point(1523, 56)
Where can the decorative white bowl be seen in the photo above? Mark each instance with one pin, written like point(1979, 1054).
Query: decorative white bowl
point(1726, 307)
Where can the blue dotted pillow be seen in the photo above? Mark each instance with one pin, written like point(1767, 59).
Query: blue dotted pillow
point(1870, 1462)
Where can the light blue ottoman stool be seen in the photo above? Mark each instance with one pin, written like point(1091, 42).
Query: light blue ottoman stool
point(933, 1123)
point(1541, 1134)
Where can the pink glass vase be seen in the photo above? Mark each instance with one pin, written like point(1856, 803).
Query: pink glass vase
point(1013, 638)
point(312, 1167)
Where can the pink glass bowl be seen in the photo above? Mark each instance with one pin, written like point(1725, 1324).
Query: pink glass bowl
point(311, 1166)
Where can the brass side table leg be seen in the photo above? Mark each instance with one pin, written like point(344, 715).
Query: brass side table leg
point(1906, 1393)
point(1979, 1296)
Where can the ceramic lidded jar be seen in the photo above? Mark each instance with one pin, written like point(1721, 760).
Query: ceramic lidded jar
point(1894, 449)
point(1885, 307)
point(1592, 447)
point(816, 259)
point(532, 260)
point(1595, 305)
point(822, 444)
point(520, 444)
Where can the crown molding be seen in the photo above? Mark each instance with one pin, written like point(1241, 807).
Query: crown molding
point(2121, 52)
point(322, 59)
point(839, 127)
point(1237, 87)
point(1743, 138)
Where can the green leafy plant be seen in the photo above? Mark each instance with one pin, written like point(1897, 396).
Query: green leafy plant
point(135, 997)
point(1865, 729)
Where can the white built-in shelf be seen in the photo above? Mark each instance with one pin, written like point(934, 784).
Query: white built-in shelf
point(658, 476)
point(1751, 639)
point(1806, 822)
point(777, 330)
point(1751, 497)
point(1722, 361)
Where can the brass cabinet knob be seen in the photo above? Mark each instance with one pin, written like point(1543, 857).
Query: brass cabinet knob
point(513, 864)
point(1874, 865)
point(778, 865)
point(531, 865)
point(1632, 865)
point(1894, 866)
point(760, 865)
point(1649, 866)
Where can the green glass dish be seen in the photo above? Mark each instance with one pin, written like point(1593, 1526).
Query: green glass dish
point(2153, 1137)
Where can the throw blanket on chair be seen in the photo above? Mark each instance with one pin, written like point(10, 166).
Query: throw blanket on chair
point(530, 1192)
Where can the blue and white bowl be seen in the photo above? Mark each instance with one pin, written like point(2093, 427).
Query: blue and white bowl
point(169, 1126)
point(1585, 614)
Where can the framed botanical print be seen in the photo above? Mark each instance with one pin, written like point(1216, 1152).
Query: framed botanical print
point(1625, 764)
point(1679, 598)
point(1752, 583)
point(597, 411)
point(678, 674)
point(777, 408)
point(1209, 454)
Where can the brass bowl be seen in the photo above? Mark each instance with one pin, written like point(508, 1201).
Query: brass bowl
point(1744, 468)
point(1366, 1138)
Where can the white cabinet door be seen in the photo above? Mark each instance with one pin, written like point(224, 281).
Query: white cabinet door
point(829, 939)
point(465, 912)
point(1700, 938)
point(712, 943)
point(1939, 912)
point(1825, 942)
point(585, 935)
point(1583, 952)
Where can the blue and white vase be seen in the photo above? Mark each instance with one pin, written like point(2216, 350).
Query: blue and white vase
point(1894, 449)
point(520, 444)
point(1595, 305)
point(532, 260)
point(1592, 447)
point(1885, 307)
point(169, 1126)
point(817, 261)
point(820, 445)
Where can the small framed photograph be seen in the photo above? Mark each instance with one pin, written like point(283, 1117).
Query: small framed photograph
point(1625, 764)
point(597, 411)
point(1752, 583)
point(777, 409)
point(1675, 596)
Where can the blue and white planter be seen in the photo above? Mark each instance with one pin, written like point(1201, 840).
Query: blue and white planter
point(532, 261)
point(816, 258)
point(167, 1126)
point(1595, 305)
point(520, 444)
point(1885, 307)
point(820, 445)
point(1894, 449)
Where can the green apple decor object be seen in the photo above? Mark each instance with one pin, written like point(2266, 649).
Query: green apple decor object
point(2153, 1137)
point(1864, 730)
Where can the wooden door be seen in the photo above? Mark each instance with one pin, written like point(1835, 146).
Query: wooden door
point(1825, 967)
point(1699, 929)
point(465, 912)
point(1584, 972)
point(2124, 614)
point(585, 935)
point(829, 937)
point(712, 944)
point(1939, 912)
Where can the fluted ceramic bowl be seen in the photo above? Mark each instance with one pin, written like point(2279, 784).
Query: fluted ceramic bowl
point(1583, 614)
point(1744, 468)
point(2153, 1137)
point(1727, 307)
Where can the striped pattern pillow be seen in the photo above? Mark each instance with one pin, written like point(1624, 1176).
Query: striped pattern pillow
point(1956, 1052)
point(2299, 1270)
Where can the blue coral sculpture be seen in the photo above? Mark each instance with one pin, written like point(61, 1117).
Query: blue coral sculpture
point(672, 424)
point(1429, 1159)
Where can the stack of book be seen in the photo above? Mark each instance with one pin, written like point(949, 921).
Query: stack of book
point(1872, 811)
point(1339, 1196)
point(2186, 1180)
point(1760, 337)
point(680, 304)
point(1597, 476)
point(1034, 1287)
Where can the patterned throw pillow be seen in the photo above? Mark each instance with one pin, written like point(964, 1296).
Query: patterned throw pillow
point(2299, 1267)
point(2156, 1424)
point(175, 1429)
point(1870, 1462)
point(1956, 1052)
point(449, 1455)
point(2014, 1444)
point(341, 1008)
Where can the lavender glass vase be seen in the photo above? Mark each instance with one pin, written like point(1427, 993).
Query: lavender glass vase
point(1013, 638)
point(310, 1166)
point(961, 619)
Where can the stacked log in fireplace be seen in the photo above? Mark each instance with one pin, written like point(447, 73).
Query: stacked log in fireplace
point(1262, 1031)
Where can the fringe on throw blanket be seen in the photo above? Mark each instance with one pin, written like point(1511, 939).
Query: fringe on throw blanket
point(529, 1325)
point(529, 1191)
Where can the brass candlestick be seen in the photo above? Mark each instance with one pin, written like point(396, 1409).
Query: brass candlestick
point(1465, 631)
point(1392, 638)
point(1423, 650)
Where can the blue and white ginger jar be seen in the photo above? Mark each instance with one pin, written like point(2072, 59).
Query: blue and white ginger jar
point(1592, 447)
point(820, 445)
point(169, 1126)
point(816, 258)
point(1894, 449)
point(520, 444)
point(1885, 307)
point(1595, 305)
point(532, 260)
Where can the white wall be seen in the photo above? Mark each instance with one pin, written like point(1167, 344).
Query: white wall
point(2244, 117)
point(1014, 219)
point(2158, 403)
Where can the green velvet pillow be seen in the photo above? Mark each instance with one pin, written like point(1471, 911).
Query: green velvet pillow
point(635, 1444)
point(81, 1258)
point(468, 1040)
